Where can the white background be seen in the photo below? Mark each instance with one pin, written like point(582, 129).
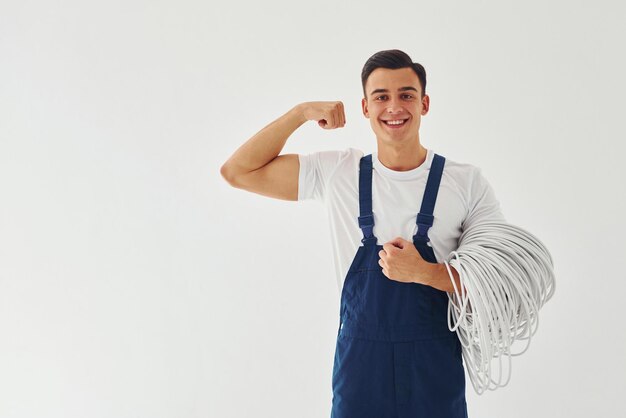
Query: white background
point(134, 282)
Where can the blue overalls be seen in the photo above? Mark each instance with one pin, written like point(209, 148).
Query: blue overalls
point(395, 356)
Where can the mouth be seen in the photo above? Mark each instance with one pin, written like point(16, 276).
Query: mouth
point(395, 123)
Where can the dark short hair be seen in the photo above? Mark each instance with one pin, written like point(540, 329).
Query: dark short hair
point(392, 59)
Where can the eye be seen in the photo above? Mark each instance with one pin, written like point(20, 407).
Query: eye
point(379, 97)
point(408, 95)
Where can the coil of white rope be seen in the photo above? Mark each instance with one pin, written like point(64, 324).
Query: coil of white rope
point(506, 276)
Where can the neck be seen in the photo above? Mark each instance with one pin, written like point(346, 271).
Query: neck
point(402, 157)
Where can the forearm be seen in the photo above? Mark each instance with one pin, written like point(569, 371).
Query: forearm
point(265, 145)
point(439, 278)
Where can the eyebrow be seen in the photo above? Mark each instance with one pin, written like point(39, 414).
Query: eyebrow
point(400, 89)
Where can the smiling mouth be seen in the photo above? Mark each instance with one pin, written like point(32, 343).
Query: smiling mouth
point(395, 123)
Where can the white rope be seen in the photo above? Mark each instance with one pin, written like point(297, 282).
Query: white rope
point(506, 276)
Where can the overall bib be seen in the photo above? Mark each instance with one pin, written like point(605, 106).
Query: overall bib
point(395, 356)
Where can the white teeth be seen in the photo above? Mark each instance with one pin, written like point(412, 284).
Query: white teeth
point(394, 122)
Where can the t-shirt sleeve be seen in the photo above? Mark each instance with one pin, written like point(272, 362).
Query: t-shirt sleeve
point(483, 204)
point(316, 169)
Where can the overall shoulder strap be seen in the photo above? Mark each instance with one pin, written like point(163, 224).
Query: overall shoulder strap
point(425, 217)
point(366, 220)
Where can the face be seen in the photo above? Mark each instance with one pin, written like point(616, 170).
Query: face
point(394, 104)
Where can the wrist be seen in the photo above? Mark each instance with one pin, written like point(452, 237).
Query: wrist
point(440, 279)
point(433, 274)
point(300, 111)
point(426, 274)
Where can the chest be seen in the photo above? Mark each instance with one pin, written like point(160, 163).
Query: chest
point(395, 205)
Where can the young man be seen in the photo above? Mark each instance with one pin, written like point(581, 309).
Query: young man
point(393, 215)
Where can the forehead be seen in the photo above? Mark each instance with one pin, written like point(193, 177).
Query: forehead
point(386, 78)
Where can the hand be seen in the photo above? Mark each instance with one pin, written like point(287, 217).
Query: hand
point(329, 115)
point(402, 262)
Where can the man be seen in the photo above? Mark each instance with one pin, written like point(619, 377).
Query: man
point(395, 355)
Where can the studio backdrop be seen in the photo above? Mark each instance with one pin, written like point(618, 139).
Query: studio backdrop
point(136, 282)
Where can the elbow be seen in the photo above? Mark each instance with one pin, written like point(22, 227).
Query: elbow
point(228, 174)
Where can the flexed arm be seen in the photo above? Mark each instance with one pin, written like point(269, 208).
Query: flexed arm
point(257, 167)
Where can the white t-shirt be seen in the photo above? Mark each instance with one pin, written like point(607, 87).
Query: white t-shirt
point(332, 178)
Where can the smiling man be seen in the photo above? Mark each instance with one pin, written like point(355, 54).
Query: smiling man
point(394, 214)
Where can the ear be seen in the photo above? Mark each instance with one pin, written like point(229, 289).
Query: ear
point(425, 104)
point(364, 108)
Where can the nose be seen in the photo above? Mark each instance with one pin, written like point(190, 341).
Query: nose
point(394, 107)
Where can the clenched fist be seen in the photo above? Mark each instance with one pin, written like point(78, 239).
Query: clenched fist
point(329, 115)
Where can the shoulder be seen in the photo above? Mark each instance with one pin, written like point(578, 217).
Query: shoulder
point(323, 169)
point(467, 181)
point(332, 160)
point(463, 174)
point(339, 156)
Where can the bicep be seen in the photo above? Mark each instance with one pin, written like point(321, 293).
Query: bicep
point(277, 179)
